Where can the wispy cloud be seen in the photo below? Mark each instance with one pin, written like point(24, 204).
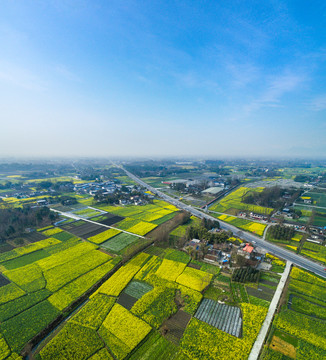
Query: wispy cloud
point(193, 80)
point(66, 73)
point(276, 88)
point(242, 74)
point(20, 77)
point(143, 79)
point(318, 103)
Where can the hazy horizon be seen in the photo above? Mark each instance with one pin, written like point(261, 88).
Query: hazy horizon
point(162, 79)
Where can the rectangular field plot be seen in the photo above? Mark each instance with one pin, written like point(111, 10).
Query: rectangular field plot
point(3, 281)
point(111, 219)
point(119, 242)
point(176, 325)
point(86, 212)
point(85, 229)
point(25, 259)
point(223, 317)
point(142, 228)
point(194, 279)
point(262, 292)
point(314, 251)
point(127, 301)
point(137, 289)
point(104, 236)
point(133, 292)
point(319, 220)
point(34, 237)
point(63, 236)
point(318, 198)
point(5, 247)
point(155, 346)
point(122, 331)
point(154, 250)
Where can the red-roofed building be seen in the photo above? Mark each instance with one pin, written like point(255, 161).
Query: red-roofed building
point(248, 248)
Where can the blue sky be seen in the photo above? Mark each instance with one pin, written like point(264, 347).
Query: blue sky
point(162, 78)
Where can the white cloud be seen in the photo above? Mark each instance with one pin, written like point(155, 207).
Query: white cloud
point(279, 86)
point(276, 88)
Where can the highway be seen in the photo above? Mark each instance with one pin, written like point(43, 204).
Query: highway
point(270, 248)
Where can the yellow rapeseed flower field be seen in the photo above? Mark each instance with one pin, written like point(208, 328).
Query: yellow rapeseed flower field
point(142, 228)
point(51, 232)
point(170, 270)
point(194, 279)
point(126, 326)
point(103, 236)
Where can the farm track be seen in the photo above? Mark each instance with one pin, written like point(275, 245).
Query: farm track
point(258, 345)
point(310, 206)
point(94, 222)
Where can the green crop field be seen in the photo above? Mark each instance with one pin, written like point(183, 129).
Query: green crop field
point(86, 212)
point(314, 251)
point(180, 231)
point(155, 284)
point(319, 220)
point(252, 226)
point(119, 242)
point(232, 203)
point(45, 278)
point(318, 198)
point(299, 330)
point(139, 220)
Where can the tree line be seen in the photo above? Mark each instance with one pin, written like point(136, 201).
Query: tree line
point(202, 233)
point(14, 221)
point(246, 274)
point(271, 197)
point(280, 232)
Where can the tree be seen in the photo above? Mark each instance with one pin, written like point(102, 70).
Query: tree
point(162, 235)
point(185, 217)
point(241, 260)
point(189, 250)
point(45, 184)
point(280, 220)
point(203, 249)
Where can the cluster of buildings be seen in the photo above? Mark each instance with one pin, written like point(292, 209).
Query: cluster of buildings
point(28, 194)
point(91, 188)
point(222, 253)
point(253, 216)
point(190, 182)
point(135, 200)
point(250, 252)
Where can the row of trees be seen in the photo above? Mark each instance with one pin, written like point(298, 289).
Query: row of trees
point(280, 232)
point(246, 274)
point(146, 169)
point(162, 233)
point(271, 197)
point(200, 232)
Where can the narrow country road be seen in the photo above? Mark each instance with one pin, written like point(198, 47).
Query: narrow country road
point(73, 216)
point(259, 343)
